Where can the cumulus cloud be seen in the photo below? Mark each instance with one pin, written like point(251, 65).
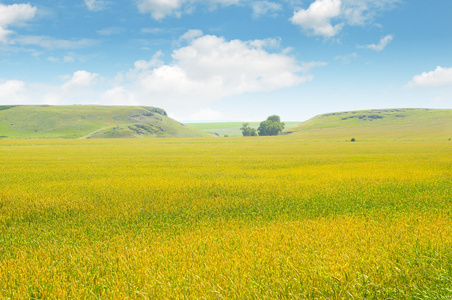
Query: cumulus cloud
point(79, 87)
point(316, 20)
point(381, 45)
point(80, 79)
point(319, 17)
point(207, 69)
point(15, 14)
point(13, 92)
point(211, 67)
point(142, 64)
point(439, 77)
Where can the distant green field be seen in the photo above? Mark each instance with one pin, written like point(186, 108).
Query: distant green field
point(382, 124)
point(90, 121)
point(230, 128)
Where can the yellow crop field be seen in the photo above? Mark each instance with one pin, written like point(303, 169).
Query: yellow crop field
point(229, 218)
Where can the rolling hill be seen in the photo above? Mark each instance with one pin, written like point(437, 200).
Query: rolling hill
point(93, 121)
point(90, 121)
point(378, 124)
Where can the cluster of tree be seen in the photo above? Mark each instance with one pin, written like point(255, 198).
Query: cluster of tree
point(247, 130)
point(271, 126)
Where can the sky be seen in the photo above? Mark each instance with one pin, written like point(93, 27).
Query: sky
point(228, 60)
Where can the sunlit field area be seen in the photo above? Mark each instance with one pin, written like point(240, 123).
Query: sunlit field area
point(229, 218)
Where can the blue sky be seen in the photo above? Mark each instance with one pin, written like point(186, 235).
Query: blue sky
point(228, 59)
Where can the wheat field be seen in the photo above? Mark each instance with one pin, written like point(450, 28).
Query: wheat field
point(230, 218)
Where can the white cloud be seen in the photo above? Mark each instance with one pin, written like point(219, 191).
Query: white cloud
point(80, 79)
point(269, 43)
point(190, 35)
point(95, 5)
point(358, 12)
point(232, 67)
point(380, 46)
point(206, 114)
point(439, 77)
point(13, 92)
point(316, 20)
point(141, 65)
point(261, 8)
point(208, 69)
point(15, 14)
point(118, 96)
point(160, 9)
point(80, 87)
point(51, 43)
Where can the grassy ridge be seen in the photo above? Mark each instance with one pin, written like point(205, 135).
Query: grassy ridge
point(386, 124)
point(91, 121)
point(81, 121)
point(231, 129)
point(267, 218)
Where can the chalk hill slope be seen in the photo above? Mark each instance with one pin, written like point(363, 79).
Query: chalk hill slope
point(90, 121)
point(378, 124)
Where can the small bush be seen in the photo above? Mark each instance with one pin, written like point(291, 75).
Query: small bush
point(353, 140)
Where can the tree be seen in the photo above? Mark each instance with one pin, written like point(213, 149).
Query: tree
point(271, 126)
point(248, 131)
point(275, 118)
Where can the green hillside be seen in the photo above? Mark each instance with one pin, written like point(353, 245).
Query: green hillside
point(90, 121)
point(230, 128)
point(381, 124)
